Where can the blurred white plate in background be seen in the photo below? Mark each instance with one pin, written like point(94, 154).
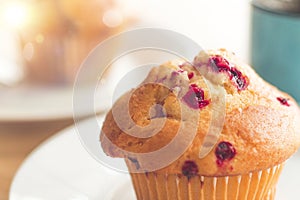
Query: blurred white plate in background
point(61, 168)
point(33, 103)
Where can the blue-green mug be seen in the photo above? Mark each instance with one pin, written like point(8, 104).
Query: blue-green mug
point(275, 50)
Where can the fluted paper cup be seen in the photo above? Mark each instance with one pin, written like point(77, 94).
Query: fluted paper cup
point(259, 185)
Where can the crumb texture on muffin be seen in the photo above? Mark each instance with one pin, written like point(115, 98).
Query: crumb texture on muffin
point(261, 125)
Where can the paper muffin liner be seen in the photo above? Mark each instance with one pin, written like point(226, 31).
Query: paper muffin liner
point(259, 185)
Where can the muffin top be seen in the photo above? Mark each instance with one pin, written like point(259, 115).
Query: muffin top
point(214, 117)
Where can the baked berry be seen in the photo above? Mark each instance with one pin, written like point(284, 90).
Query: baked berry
point(195, 97)
point(191, 75)
point(220, 64)
point(283, 101)
point(224, 152)
point(189, 169)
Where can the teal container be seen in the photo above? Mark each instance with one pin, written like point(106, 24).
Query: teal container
point(275, 51)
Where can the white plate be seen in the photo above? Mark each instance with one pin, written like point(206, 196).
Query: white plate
point(62, 169)
point(33, 103)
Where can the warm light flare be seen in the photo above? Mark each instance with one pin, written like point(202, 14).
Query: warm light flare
point(15, 14)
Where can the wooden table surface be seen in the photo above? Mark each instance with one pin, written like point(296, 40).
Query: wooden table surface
point(17, 140)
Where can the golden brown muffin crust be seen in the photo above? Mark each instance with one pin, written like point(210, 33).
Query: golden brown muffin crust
point(260, 130)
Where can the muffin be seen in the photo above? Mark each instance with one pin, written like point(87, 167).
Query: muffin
point(206, 129)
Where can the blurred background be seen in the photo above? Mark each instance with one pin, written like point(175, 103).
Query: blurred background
point(44, 42)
